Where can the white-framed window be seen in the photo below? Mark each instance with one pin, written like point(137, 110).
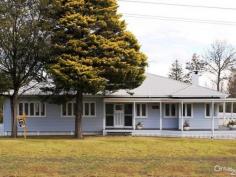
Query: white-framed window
point(170, 110)
point(68, 109)
point(187, 110)
point(141, 110)
point(208, 110)
point(32, 109)
point(221, 108)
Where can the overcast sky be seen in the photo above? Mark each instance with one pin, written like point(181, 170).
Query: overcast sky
point(164, 41)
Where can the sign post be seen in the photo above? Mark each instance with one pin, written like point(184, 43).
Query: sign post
point(22, 123)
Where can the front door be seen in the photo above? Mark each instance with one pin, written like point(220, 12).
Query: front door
point(118, 115)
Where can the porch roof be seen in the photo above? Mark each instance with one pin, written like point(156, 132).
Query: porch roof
point(169, 100)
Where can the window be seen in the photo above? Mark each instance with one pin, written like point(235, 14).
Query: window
point(170, 110)
point(141, 110)
point(234, 107)
point(89, 109)
point(32, 109)
point(128, 114)
point(109, 114)
point(207, 110)
point(228, 107)
point(221, 108)
point(69, 109)
point(187, 110)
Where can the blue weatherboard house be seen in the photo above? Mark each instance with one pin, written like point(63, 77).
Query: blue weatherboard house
point(159, 105)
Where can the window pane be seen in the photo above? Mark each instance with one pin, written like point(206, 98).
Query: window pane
point(144, 110)
point(128, 120)
point(109, 121)
point(119, 107)
point(228, 107)
point(42, 109)
point(184, 110)
point(128, 109)
point(138, 109)
point(86, 109)
point(26, 109)
point(32, 109)
point(74, 108)
point(207, 110)
point(20, 109)
point(173, 110)
point(167, 106)
point(36, 109)
point(109, 108)
point(92, 109)
point(189, 110)
point(234, 107)
point(220, 107)
point(64, 109)
point(69, 109)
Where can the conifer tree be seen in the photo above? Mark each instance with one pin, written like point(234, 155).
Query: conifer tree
point(176, 71)
point(92, 51)
point(196, 64)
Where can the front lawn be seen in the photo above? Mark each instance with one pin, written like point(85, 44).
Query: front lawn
point(116, 156)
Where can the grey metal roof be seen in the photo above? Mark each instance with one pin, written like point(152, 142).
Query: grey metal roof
point(153, 86)
point(159, 86)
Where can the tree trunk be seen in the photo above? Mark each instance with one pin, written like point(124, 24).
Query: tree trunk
point(218, 82)
point(78, 115)
point(13, 100)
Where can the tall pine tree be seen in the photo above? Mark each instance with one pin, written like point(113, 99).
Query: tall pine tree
point(196, 64)
point(176, 71)
point(92, 51)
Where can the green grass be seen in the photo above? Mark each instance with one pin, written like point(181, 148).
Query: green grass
point(115, 156)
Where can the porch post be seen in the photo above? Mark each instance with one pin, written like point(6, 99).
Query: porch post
point(160, 115)
point(231, 115)
point(182, 117)
point(224, 112)
point(104, 117)
point(213, 119)
point(134, 108)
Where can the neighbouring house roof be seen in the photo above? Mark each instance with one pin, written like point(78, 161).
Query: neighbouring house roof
point(154, 86)
point(159, 86)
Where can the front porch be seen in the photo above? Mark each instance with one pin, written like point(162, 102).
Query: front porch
point(166, 117)
point(218, 134)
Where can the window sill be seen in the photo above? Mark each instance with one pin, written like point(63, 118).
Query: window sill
point(32, 116)
point(82, 117)
point(171, 117)
point(141, 117)
point(187, 117)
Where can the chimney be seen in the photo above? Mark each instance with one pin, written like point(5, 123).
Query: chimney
point(195, 77)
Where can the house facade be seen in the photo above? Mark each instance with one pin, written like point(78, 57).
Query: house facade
point(159, 104)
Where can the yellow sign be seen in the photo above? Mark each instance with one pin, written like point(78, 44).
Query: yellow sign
point(22, 123)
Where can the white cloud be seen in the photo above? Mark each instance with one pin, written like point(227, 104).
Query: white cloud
point(164, 41)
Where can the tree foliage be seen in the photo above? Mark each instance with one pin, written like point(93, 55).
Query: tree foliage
point(92, 50)
point(176, 71)
point(232, 84)
point(23, 46)
point(220, 58)
point(195, 64)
